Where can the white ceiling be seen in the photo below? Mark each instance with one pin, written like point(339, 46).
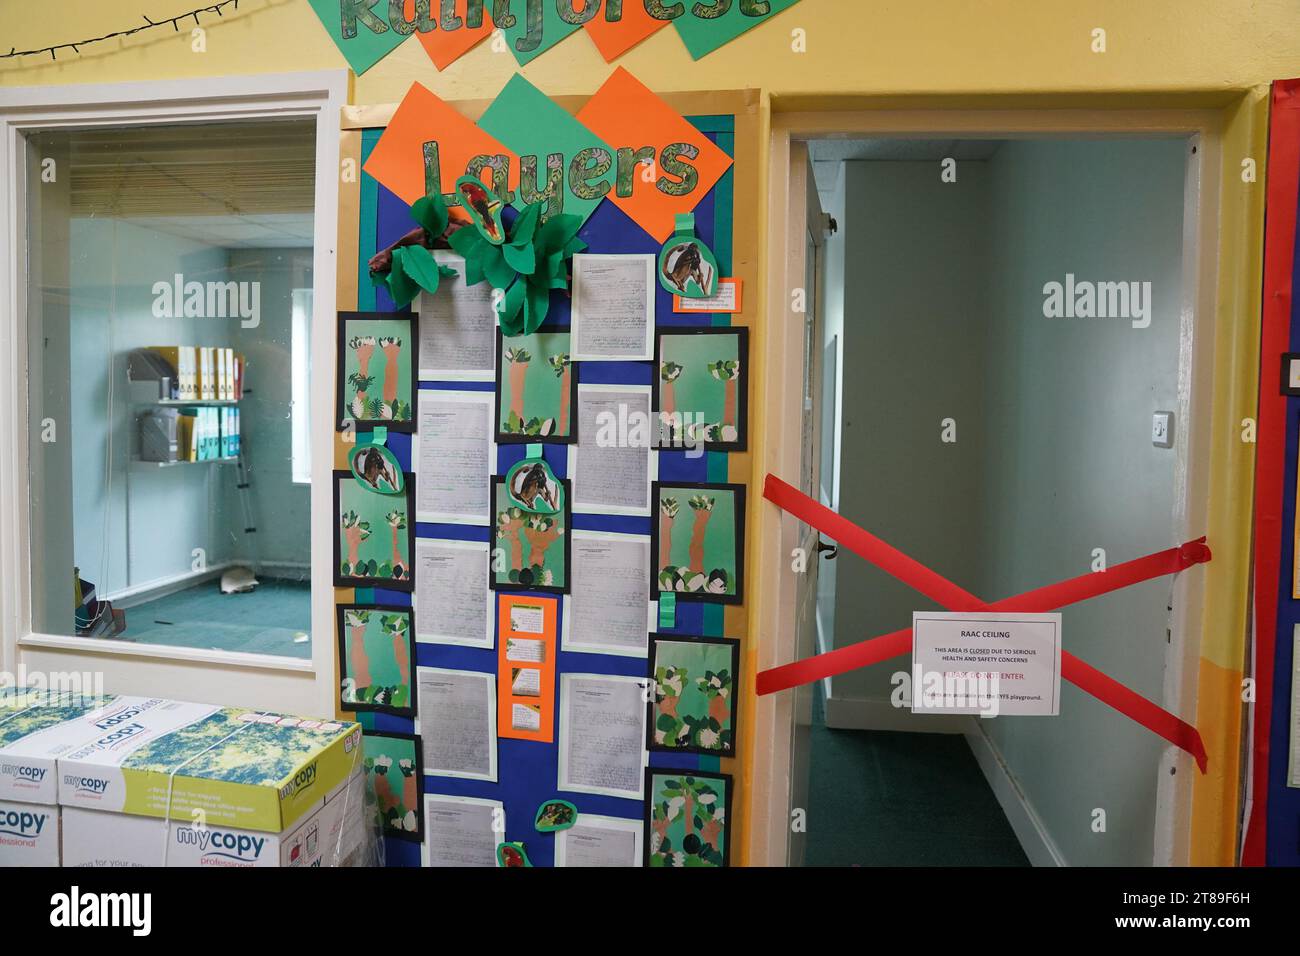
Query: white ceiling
point(828, 155)
point(242, 231)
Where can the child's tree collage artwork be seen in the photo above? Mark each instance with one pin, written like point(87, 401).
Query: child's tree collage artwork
point(477, 392)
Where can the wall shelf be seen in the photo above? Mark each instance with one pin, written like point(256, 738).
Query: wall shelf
point(181, 403)
point(141, 465)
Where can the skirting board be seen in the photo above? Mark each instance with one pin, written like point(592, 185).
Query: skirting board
point(128, 598)
point(1025, 823)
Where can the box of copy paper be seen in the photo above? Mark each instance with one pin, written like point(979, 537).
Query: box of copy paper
point(324, 837)
point(34, 733)
point(241, 768)
point(18, 698)
point(29, 834)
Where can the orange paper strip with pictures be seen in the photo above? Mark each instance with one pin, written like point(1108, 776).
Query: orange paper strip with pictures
point(526, 667)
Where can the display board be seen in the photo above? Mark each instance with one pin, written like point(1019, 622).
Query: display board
point(531, 764)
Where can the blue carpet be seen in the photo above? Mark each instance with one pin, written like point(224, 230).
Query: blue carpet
point(265, 621)
point(894, 799)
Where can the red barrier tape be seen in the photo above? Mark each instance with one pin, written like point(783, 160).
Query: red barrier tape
point(934, 586)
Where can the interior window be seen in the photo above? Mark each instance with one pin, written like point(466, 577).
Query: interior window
point(171, 268)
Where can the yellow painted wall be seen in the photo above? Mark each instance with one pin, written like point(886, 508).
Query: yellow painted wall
point(923, 46)
point(950, 48)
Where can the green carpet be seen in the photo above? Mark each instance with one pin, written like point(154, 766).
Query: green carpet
point(893, 799)
point(265, 621)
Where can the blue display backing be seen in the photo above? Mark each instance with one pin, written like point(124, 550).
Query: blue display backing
point(527, 770)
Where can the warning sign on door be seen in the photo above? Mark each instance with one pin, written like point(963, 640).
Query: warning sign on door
point(986, 664)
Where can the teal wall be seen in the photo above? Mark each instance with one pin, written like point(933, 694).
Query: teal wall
point(282, 509)
point(134, 528)
point(1071, 466)
point(150, 522)
point(916, 268)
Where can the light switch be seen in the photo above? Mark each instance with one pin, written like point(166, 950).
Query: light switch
point(1162, 429)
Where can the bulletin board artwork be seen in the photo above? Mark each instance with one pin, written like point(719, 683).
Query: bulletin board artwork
point(537, 388)
point(528, 775)
point(693, 709)
point(529, 551)
point(697, 538)
point(701, 387)
point(687, 818)
point(376, 651)
point(374, 535)
point(377, 366)
point(394, 781)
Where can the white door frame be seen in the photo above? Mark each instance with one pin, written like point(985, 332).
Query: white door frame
point(279, 683)
point(777, 534)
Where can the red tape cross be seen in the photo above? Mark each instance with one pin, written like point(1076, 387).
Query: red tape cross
point(934, 586)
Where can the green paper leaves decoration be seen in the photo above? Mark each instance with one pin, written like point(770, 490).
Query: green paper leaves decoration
point(431, 213)
point(527, 266)
point(414, 267)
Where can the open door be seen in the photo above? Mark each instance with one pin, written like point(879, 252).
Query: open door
point(811, 549)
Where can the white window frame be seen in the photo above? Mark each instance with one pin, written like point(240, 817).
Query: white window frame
point(300, 448)
point(241, 679)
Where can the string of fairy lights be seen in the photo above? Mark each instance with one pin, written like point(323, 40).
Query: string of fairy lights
point(148, 24)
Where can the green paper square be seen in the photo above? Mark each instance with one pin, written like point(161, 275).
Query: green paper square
point(554, 30)
point(527, 121)
point(368, 47)
point(668, 609)
point(703, 36)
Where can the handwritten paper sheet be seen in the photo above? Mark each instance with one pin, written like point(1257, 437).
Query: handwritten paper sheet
point(451, 593)
point(457, 328)
point(602, 734)
point(609, 611)
point(454, 453)
point(523, 649)
point(458, 722)
point(525, 717)
point(599, 841)
point(462, 831)
point(612, 464)
point(613, 308)
point(526, 682)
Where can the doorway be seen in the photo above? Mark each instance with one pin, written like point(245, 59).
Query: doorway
point(961, 287)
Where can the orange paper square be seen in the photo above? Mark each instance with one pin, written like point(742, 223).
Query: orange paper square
point(626, 113)
point(445, 47)
point(397, 160)
point(615, 39)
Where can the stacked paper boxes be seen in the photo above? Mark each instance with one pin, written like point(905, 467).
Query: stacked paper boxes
point(30, 726)
point(151, 782)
